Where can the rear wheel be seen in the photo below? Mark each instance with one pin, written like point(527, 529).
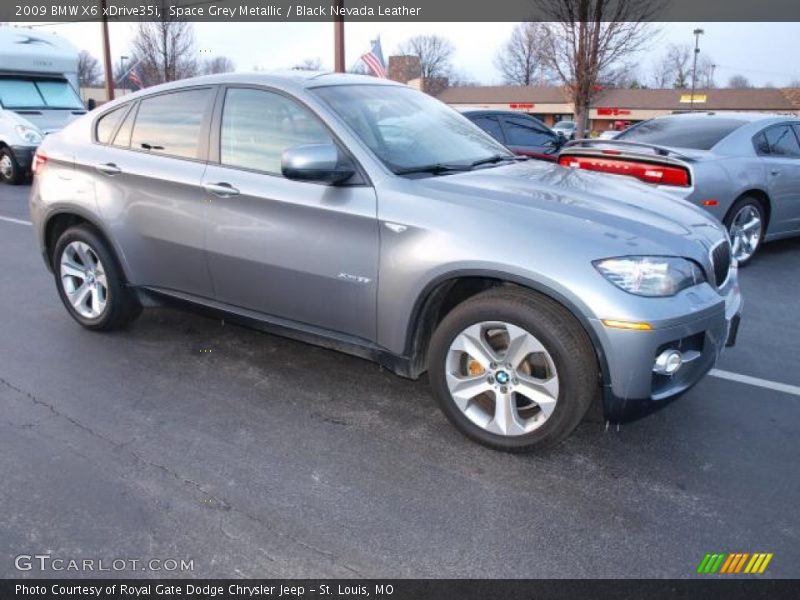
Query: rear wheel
point(10, 171)
point(746, 224)
point(512, 370)
point(90, 283)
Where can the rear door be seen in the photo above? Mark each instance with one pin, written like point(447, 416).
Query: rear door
point(147, 184)
point(526, 136)
point(301, 251)
point(779, 149)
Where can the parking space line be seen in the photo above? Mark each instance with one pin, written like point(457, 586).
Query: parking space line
point(756, 381)
point(17, 221)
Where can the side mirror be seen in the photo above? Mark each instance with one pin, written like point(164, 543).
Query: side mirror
point(91, 104)
point(316, 162)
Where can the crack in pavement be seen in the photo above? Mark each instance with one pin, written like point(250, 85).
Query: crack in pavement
point(210, 499)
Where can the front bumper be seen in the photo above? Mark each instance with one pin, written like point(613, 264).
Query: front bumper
point(633, 389)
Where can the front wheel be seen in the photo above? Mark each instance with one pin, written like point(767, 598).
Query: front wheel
point(745, 223)
point(513, 370)
point(10, 171)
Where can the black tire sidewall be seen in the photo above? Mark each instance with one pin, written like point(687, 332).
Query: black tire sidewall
point(737, 206)
point(574, 362)
point(16, 175)
point(117, 293)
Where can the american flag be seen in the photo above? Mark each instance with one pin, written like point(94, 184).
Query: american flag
point(133, 77)
point(374, 60)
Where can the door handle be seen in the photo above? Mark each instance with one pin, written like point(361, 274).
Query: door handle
point(221, 189)
point(108, 168)
point(775, 172)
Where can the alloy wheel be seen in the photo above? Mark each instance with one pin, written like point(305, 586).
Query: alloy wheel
point(6, 167)
point(745, 231)
point(502, 378)
point(84, 280)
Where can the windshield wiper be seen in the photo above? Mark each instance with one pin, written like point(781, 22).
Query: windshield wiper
point(496, 159)
point(434, 169)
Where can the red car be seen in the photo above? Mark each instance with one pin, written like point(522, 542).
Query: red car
point(522, 134)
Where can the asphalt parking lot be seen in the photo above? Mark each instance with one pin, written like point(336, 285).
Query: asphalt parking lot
point(256, 456)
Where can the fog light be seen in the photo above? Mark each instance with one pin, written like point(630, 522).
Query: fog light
point(668, 362)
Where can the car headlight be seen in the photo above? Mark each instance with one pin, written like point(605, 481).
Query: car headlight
point(653, 276)
point(29, 134)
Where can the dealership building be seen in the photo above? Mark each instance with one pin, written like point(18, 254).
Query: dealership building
point(620, 106)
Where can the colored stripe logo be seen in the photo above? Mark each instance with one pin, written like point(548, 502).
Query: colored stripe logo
point(735, 562)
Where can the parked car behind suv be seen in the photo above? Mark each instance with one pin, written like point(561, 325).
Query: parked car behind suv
point(744, 168)
point(368, 217)
point(523, 134)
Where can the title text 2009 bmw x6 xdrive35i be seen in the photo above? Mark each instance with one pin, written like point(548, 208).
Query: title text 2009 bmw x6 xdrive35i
point(368, 217)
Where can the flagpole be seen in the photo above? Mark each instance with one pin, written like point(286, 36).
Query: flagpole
point(338, 39)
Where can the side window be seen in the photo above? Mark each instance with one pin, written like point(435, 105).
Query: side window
point(123, 137)
point(524, 132)
point(171, 123)
point(257, 126)
point(107, 123)
point(491, 126)
point(761, 144)
point(782, 141)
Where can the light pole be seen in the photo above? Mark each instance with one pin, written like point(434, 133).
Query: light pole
point(338, 39)
point(107, 53)
point(697, 34)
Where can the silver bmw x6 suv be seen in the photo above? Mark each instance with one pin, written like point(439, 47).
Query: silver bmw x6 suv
point(365, 216)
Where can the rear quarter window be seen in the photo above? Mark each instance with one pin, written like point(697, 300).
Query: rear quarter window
point(698, 134)
point(107, 124)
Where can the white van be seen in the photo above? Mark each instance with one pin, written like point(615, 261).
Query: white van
point(38, 95)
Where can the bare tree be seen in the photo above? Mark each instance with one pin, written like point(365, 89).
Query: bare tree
point(521, 60)
point(705, 72)
point(795, 83)
point(218, 64)
point(674, 68)
point(434, 54)
point(739, 82)
point(586, 38)
point(623, 76)
point(309, 64)
point(166, 49)
point(461, 79)
point(359, 68)
point(89, 71)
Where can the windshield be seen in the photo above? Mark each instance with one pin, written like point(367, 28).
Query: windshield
point(18, 93)
point(564, 125)
point(681, 132)
point(409, 130)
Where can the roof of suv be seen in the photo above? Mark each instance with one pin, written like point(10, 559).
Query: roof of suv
point(290, 79)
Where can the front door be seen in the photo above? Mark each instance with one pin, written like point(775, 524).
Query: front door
point(782, 163)
point(295, 250)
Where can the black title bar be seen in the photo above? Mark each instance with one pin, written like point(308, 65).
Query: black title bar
point(731, 588)
point(389, 10)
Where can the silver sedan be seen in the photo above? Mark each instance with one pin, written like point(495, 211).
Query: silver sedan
point(744, 168)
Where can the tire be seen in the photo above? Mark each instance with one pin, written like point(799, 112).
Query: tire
point(10, 171)
point(745, 244)
point(568, 358)
point(119, 303)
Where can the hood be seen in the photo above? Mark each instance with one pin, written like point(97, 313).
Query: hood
point(45, 120)
point(619, 207)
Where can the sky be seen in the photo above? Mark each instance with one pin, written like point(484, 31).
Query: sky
point(765, 53)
